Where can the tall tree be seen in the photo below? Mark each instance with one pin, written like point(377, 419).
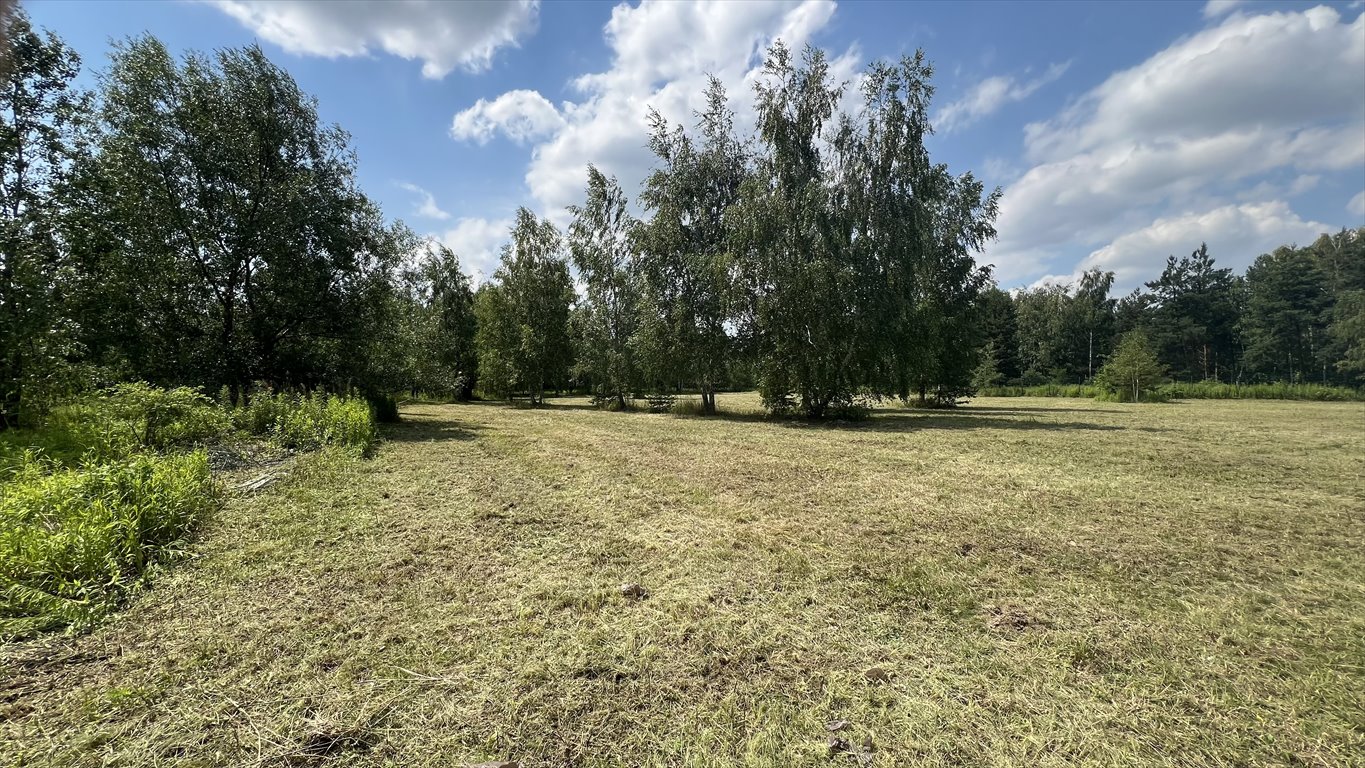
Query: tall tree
point(1194, 321)
point(1000, 328)
point(234, 215)
point(40, 136)
point(800, 275)
point(427, 342)
point(685, 260)
point(857, 250)
point(1287, 311)
point(523, 337)
point(1090, 322)
point(601, 244)
point(1041, 313)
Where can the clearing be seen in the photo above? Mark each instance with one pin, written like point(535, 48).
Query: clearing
point(1038, 582)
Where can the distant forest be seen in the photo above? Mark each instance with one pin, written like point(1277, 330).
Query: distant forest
point(193, 222)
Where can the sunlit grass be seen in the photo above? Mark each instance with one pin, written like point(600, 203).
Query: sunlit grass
point(1046, 582)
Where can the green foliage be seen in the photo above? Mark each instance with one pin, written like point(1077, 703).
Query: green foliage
point(523, 336)
point(1348, 330)
point(41, 134)
point(150, 417)
point(384, 407)
point(1193, 318)
point(987, 373)
point(309, 422)
point(1217, 390)
point(686, 264)
point(73, 541)
point(855, 250)
point(1288, 309)
point(605, 321)
point(118, 422)
point(219, 234)
point(1202, 390)
point(1043, 390)
point(1132, 373)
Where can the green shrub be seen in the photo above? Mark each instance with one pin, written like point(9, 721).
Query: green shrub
point(118, 422)
point(1283, 390)
point(678, 406)
point(1204, 390)
point(311, 422)
point(73, 541)
point(1042, 390)
point(138, 415)
point(384, 408)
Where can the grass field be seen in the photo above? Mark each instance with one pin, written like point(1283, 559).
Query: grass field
point(1028, 582)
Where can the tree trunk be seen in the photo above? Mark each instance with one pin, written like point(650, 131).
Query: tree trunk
point(1090, 358)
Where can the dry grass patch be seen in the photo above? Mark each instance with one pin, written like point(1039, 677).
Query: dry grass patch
point(1043, 582)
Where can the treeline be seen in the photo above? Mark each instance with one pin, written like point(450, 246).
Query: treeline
point(193, 222)
point(1297, 316)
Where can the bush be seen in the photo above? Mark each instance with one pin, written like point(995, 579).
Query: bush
point(1204, 390)
point(384, 408)
point(120, 421)
point(73, 541)
point(1041, 390)
point(311, 422)
point(1215, 390)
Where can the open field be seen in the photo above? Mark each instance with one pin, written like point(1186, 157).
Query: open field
point(1043, 582)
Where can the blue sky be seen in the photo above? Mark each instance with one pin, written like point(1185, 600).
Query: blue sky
point(1119, 132)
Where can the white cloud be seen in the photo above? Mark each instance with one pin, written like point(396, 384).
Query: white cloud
point(661, 55)
point(426, 207)
point(477, 242)
point(522, 116)
point(990, 95)
point(1304, 183)
point(1212, 111)
point(1215, 8)
point(1356, 205)
point(443, 35)
point(1236, 235)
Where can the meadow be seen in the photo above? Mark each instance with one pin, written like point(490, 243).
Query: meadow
point(1023, 581)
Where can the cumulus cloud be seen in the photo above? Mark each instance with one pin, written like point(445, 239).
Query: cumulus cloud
point(661, 53)
point(1236, 235)
point(426, 206)
point(477, 241)
point(521, 116)
point(1356, 205)
point(442, 35)
point(989, 95)
point(1214, 109)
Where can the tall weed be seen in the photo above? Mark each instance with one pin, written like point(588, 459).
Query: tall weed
point(73, 541)
point(311, 422)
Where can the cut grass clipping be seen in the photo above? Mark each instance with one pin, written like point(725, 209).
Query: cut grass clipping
point(1020, 582)
point(73, 541)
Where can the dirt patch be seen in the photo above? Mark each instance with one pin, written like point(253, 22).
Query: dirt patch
point(1010, 619)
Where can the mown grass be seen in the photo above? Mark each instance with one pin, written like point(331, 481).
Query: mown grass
point(1046, 582)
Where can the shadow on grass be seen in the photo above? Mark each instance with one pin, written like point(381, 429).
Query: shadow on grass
point(1025, 409)
point(913, 420)
point(425, 429)
point(905, 422)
